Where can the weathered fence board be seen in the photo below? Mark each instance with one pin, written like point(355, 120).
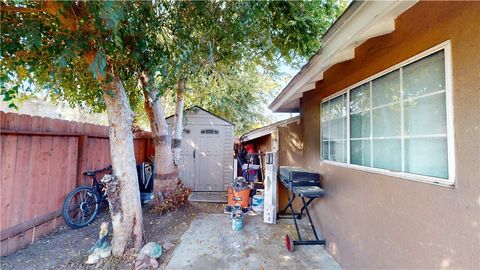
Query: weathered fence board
point(41, 161)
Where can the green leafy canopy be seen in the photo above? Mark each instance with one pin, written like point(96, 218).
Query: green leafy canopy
point(72, 49)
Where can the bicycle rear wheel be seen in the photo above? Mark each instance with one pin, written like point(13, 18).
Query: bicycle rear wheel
point(81, 207)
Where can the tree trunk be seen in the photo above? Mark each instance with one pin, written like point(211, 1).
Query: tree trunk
point(165, 170)
point(125, 207)
point(177, 132)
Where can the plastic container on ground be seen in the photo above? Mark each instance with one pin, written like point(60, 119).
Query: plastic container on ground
point(258, 201)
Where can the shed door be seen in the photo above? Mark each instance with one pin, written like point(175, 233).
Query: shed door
point(209, 158)
point(187, 164)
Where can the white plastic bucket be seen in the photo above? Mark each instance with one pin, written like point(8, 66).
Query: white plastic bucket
point(257, 203)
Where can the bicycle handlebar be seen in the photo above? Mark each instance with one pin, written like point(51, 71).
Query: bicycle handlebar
point(109, 167)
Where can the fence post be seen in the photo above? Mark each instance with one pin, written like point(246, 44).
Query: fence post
point(81, 158)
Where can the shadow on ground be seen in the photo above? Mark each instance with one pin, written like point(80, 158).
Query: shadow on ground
point(68, 249)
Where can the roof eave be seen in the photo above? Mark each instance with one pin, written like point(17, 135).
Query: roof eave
point(263, 131)
point(360, 22)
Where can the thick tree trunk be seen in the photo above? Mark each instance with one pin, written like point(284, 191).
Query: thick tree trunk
point(165, 170)
point(125, 207)
point(178, 130)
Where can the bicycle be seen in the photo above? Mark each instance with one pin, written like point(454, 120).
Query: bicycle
point(82, 205)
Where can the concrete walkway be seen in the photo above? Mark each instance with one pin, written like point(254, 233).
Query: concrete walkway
point(210, 243)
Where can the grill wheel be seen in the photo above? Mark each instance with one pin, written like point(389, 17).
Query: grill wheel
point(289, 243)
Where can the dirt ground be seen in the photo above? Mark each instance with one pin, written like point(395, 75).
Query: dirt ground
point(68, 249)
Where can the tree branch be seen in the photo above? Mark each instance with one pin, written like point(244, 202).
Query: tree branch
point(5, 8)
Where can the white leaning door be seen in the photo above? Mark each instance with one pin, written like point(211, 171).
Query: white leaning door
point(270, 202)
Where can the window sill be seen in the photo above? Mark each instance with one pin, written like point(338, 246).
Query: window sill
point(407, 176)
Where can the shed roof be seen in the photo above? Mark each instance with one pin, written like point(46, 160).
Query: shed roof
point(196, 108)
point(260, 132)
point(362, 20)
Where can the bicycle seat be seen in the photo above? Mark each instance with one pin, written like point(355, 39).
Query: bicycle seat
point(91, 174)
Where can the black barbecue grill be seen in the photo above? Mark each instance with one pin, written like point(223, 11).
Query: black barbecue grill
point(306, 185)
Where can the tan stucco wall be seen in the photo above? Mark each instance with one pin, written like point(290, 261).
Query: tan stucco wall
point(375, 221)
point(262, 144)
point(290, 153)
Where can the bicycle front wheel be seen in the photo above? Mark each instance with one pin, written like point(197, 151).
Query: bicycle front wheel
point(81, 207)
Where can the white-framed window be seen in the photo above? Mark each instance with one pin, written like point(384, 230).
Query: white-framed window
point(397, 122)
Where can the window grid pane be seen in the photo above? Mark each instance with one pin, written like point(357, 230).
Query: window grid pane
point(360, 98)
point(386, 121)
point(422, 157)
point(334, 129)
point(360, 152)
point(386, 89)
point(426, 115)
point(425, 75)
point(387, 154)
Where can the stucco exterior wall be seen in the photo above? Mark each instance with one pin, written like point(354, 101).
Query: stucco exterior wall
point(290, 153)
point(376, 221)
point(263, 144)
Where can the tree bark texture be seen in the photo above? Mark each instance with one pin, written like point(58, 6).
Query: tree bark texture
point(178, 130)
point(125, 207)
point(165, 170)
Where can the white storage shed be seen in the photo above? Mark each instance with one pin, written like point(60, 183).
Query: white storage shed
point(207, 150)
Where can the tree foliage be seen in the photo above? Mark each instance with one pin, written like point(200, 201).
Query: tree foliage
point(66, 47)
point(62, 47)
point(238, 95)
point(229, 52)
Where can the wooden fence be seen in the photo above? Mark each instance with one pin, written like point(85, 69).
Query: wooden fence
point(41, 161)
